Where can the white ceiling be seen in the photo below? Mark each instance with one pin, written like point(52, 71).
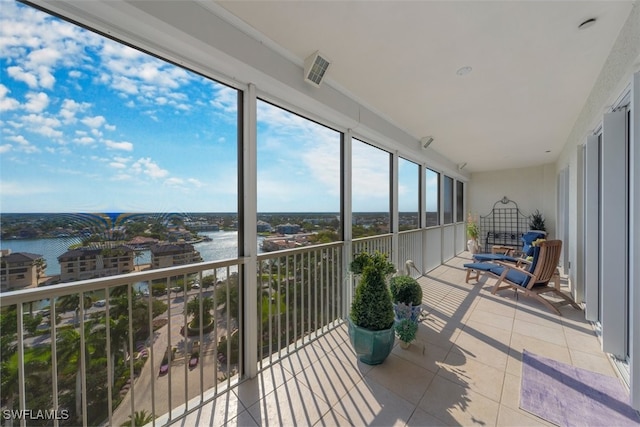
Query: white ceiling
point(533, 69)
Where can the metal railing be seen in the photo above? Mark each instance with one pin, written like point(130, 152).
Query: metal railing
point(101, 351)
point(381, 243)
point(161, 343)
point(410, 248)
point(106, 350)
point(300, 298)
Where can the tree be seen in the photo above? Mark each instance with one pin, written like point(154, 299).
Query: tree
point(140, 418)
point(72, 303)
point(69, 349)
point(193, 309)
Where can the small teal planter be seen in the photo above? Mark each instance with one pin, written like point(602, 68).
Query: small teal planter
point(372, 347)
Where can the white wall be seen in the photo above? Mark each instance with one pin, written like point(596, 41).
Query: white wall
point(531, 188)
point(614, 78)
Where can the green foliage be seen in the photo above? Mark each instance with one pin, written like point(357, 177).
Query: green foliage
point(537, 221)
point(193, 309)
point(372, 308)
point(234, 350)
point(140, 418)
point(473, 231)
point(406, 330)
point(405, 289)
point(158, 289)
point(208, 281)
point(378, 260)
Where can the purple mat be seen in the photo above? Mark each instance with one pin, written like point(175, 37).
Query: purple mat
point(568, 396)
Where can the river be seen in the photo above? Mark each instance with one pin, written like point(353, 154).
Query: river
point(223, 245)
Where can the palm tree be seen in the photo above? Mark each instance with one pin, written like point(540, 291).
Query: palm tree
point(37, 364)
point(69, 348)
point(193, 308)
point(140, 418)
point(72, 302)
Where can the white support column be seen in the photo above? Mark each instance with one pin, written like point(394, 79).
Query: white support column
point(394, 208)
point(347, 216)
point(423, 215)
point(249, 194)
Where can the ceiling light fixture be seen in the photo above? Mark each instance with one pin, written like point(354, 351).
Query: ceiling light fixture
point(462, 165)
point(586, 24)
point(315, 67)
point(463, 71)
point(426, 142)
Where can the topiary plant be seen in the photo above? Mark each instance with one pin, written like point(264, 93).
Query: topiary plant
point(371, 307)
point(536, 221)
point(405, 289)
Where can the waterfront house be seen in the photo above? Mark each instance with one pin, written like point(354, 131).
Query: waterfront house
point(20, 270)
point(88, 263)
point(172, 254)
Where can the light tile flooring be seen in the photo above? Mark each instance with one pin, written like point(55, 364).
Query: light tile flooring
point(463, 369)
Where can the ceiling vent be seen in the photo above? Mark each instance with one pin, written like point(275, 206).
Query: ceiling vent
point(315, 67)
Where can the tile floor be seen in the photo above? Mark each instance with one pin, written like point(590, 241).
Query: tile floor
point(463, 369)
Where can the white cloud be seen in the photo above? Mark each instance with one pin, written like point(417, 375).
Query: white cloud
point(19, 139)
point(174, 182)
point(7, 103)
point(148, 167)
point(46, 78)
point(85, 140)
point(117, 165)
point(121, 159)
point(94, 122)
point(43, 125)
point(19, 74)
point(36, 102)
point(123, 145)
point(70, 108)
point(5, 148)
point(195, 182)
point(47, 56)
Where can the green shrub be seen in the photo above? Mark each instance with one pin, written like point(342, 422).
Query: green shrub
point(372, 308)
point(406, 330)
point(405, 289)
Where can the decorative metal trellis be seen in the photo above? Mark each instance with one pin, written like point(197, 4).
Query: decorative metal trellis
point(503, 226)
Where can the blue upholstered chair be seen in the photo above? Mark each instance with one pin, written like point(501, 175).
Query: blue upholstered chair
point(533, 279)
point(527, 249)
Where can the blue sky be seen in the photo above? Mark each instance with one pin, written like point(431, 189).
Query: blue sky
point(89, 125)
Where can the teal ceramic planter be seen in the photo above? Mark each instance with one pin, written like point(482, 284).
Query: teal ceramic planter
point(372, 347)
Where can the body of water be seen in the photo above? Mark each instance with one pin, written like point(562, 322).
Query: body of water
point(223, 245)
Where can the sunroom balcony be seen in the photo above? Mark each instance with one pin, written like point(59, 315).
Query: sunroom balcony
point(463, 368)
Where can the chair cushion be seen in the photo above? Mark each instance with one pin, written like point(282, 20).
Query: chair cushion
point(481, 266)
point(494, 257)
point(513, 275)
point(528, 238)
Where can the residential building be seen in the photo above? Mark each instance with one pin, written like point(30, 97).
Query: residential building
point(88, 263)
point(20, 270)
point(287, 229)
point(172, 254)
